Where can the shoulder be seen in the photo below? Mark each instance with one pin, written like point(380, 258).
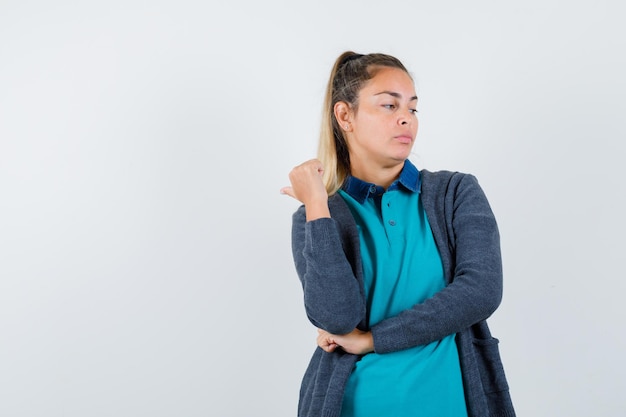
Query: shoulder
point(447, 192)
point(436, 178)
point(445, 182)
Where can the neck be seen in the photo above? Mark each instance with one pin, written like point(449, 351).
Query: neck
point(378, 175)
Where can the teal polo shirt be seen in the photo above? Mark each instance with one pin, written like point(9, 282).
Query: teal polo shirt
point(401, 267)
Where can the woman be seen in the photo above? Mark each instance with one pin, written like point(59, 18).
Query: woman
point(400, 268)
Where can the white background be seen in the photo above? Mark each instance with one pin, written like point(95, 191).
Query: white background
point(145, 261)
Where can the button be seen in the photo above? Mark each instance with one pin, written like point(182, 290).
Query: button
point(372, 189)
point(392, 222)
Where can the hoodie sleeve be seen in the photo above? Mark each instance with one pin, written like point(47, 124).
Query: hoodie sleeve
point(333, 299)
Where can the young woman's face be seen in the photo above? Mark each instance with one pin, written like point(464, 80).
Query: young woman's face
point(384, 127)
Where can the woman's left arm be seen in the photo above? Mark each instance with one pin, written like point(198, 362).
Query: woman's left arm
point(475, 290)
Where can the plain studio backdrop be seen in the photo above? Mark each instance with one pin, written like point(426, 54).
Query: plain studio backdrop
point(145, 259)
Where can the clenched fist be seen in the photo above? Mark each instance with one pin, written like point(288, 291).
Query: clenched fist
point(308, 188)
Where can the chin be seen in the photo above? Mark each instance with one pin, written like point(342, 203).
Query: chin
point(401, 156)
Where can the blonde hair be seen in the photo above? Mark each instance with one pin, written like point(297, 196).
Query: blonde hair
point(348, 76)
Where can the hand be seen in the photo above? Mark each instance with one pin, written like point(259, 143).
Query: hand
point(308, 188)
point(356, 342)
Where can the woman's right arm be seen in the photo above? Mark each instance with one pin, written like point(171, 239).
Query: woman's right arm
point(332, 294)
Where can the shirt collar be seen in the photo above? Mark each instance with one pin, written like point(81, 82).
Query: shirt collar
point(409, 179)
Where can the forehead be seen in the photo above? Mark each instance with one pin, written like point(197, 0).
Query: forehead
point(390, 79)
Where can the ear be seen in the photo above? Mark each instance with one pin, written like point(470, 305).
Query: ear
point(344, 115)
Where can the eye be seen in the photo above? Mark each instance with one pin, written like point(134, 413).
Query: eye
point(414, 111)
point(389, 106)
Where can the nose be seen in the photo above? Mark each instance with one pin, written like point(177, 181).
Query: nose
point(405, 117)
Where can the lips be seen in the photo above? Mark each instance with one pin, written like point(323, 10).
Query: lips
point(404, 139)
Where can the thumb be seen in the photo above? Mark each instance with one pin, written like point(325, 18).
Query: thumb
point(287, 191)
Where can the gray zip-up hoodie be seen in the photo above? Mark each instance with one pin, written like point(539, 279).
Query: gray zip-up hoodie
point(328, 261)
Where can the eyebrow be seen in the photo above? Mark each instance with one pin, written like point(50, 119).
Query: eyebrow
point(394, 94)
